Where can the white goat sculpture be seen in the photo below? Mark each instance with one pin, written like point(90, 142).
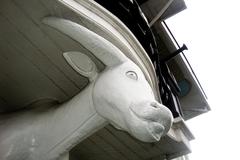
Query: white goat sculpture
point(119, 95)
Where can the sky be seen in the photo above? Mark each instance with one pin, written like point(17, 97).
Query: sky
point(211, 31)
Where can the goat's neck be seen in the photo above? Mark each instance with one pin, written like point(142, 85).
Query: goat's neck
point(56, 130)
point(77, 119)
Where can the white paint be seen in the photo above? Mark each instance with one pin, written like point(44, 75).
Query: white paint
point(82, 64)
point(119, 95)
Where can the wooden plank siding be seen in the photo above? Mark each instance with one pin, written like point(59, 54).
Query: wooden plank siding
point(22, 84)
point(113, 144)
point(31, 55)
point(110, 143)
point(31, 31)
point(130, 143)
point(107, 148)
point(117, 144)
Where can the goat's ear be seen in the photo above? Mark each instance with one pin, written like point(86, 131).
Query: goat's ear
point(82, 64)
point(104, 50)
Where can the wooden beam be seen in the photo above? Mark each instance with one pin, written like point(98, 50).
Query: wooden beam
point(156, 18)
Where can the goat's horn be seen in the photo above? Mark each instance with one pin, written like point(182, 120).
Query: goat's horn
point(104, 50)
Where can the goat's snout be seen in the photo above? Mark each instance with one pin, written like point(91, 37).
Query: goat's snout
point(155, 117)
point(150, 111)
point(154, 105)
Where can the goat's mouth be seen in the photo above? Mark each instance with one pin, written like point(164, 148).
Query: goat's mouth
point(148, 111)
point(151, 116)
point(156, 130)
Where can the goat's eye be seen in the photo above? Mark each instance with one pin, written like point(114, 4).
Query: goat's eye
point(132, 75)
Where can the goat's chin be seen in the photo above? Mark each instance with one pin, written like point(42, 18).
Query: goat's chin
point(156, 118)
point(145, 130)
point(156, 130)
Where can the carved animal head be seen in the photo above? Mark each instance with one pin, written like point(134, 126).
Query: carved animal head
point(121, 94)
point(131, 103)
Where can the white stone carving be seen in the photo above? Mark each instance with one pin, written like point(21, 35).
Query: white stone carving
point(119, 95)
point(82, 64)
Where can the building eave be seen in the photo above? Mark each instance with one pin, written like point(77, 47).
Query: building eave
point(195, 102)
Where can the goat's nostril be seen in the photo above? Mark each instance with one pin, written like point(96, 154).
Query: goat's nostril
point(154, 105)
